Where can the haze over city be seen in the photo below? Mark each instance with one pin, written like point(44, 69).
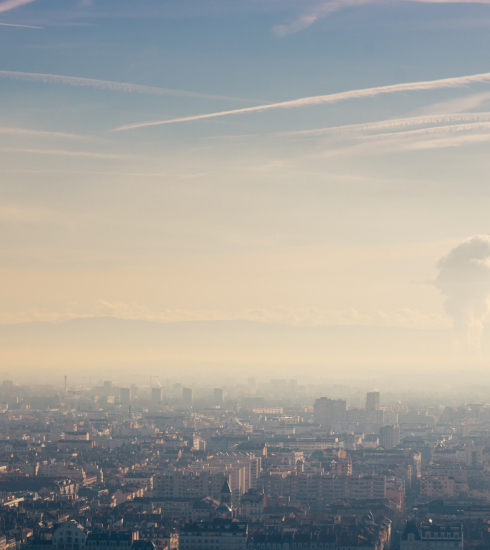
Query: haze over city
point(265, 186)
point(244, 275)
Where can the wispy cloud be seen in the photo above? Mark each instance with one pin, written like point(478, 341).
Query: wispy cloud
point(22, 26)
point(457, 105)
point(456, 135)
point(106, 85)
point(436, 130)
point(11, 4)
point(43, 134)
point(304, 20)
point(325, 9)
point(325, 99)
point(388, 124)
point(61, 152)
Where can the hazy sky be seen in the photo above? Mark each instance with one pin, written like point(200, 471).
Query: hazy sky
point(325, 209)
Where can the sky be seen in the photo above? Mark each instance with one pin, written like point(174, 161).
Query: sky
point(296, 162)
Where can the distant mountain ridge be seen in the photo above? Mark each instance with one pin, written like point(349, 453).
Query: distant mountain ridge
point(109, 340)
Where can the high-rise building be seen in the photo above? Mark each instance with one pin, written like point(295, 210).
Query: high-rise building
point(156, 395)
point(372, 401)
point(251, 382)
point(389, 436)
point(125, 394)
point(218, 396)
point(330, 411)
point(187, 397)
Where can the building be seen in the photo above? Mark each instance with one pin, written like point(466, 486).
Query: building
point(220, 534)
point(372, 401)
point(112, 539)
point(225, 507)
point(252, 505)
point(307, 541)
point(389, 436)
point(218, 396)
point(156, 395)
point(318, 490)
point(70, 535)
point(341, 467)
point(443, 536)
point(125, 394)
point(330, 412)
point(181, 484)
point(187, 397)
point(434, 486)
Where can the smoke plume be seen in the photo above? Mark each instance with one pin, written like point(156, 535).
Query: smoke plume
point(464, 279)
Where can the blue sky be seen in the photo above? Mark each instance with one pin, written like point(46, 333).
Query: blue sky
point(239, 216)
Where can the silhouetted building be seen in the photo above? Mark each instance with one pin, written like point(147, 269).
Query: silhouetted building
point(218, 396)
point(125, 394)
point(187, 397)
point(372, 401)
point(330, 411)
point(389, 436)
point(156, 395)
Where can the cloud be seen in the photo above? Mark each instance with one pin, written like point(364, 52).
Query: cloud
point(458, 105)
point(11, 4)
point(325, 9)
point(43, 134)
point(22, 26)
point(327, 99)
point(388, 124)
point(106, 85)
point(413, 140)
point(60, 152)
point(464, 281)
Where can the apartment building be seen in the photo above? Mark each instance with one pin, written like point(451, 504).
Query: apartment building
point(440, 486)
point(220, 534)
point(189, 484)
point(443, 536)
point(330, 412)
point(341, 467)
point(318, 490)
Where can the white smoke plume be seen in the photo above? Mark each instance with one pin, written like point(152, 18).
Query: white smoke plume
point(464, 279)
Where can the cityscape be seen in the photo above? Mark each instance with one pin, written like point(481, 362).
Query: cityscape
point(255, 466)
point(244, 275)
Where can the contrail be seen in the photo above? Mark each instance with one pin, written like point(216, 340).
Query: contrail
point(422, 138)
point(456, 82)
point(44, 134)
point(11, 4)
point(433, 130)
point(22, 26)
point(304, 20)
point(390, 123)
point(106, 85)
point(64, 153)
